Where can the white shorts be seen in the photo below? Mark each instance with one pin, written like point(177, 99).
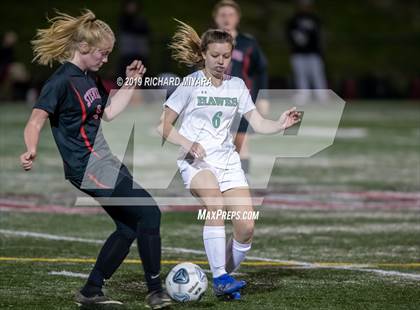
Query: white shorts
point(227, 178)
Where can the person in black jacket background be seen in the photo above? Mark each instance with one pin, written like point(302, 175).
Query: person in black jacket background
point(304, 38)
point(133, 35)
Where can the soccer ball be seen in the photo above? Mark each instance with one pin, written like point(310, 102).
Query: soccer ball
point(186, 282)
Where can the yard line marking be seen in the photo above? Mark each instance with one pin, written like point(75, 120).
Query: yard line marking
point(69, 274)
point(330, 265)
point(85, 275)
point(263, 261)
point(394, 273)
point(183, 250)
point(178, 250)
point(96, 241)
point(83, 240)
point(48, 236)
point(126, 261)
point(413, 276)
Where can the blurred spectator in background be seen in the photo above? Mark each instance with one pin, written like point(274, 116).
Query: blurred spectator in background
point(248, 63)
point(7, 56)
point(304, 38)
point(14, 77)
point(134, 32)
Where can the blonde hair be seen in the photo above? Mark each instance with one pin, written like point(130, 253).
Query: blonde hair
point(187, 46)
point(59, 41)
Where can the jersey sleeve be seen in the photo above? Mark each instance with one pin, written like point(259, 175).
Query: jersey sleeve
point(52, 94)
point(178, 100)
point(245, 101)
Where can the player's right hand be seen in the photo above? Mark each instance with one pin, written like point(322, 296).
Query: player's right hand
point(197, 151)
point(135, 70)
point(26, 160)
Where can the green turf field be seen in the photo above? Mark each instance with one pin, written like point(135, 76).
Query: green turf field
point(342, 230)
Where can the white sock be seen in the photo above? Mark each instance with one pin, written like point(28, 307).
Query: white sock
point(239, 251)
point(215, 244)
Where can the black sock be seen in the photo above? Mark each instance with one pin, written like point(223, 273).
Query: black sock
point(149, 246)
point(90, 289)
point(112, 254)
point(245, 165)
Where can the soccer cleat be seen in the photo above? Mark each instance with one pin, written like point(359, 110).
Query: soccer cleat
point(100, 299)
point(158, 300)
point(226, 285)
point(235, 296)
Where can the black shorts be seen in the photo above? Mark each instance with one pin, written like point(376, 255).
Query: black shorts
point(130, 215)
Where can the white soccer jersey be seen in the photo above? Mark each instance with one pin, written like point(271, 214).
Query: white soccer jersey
point(206, 115)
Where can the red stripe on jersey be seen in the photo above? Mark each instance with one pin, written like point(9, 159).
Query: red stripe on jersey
point(82, 129)
point(95, 180)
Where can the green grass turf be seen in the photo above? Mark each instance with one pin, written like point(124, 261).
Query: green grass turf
point(387, 158)
point(29, 286)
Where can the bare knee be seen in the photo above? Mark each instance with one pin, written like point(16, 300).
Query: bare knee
point(245, 232)
point(205, 187)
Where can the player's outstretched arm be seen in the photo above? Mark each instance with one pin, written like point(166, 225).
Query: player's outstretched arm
point(123, 96)
point(31, 136)
point(167, 130)
point(265, 126)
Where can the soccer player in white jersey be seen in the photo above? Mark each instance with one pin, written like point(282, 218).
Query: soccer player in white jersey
point(208, 162)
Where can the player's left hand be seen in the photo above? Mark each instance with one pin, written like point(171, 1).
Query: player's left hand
point(135, 70)
point(290, 118)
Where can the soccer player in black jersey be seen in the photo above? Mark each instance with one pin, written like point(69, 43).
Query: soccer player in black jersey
point(304, 35)
point(74, 101)
point(248, 63)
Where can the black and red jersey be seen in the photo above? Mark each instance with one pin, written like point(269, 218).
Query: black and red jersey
point(75, 101)
point(249, 63)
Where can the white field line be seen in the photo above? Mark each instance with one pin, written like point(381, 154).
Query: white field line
point(97, 241)
point(233, 273)
point(413, 276)
point(298, 264)
point(85, 276)
point(48, 236)
point(69, 274)
point(183, 250)
point(409, 227)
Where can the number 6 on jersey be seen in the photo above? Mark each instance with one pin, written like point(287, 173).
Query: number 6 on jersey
point(216, 119)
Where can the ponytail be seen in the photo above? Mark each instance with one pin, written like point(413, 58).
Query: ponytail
point(187, 47)
point(61, 39)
